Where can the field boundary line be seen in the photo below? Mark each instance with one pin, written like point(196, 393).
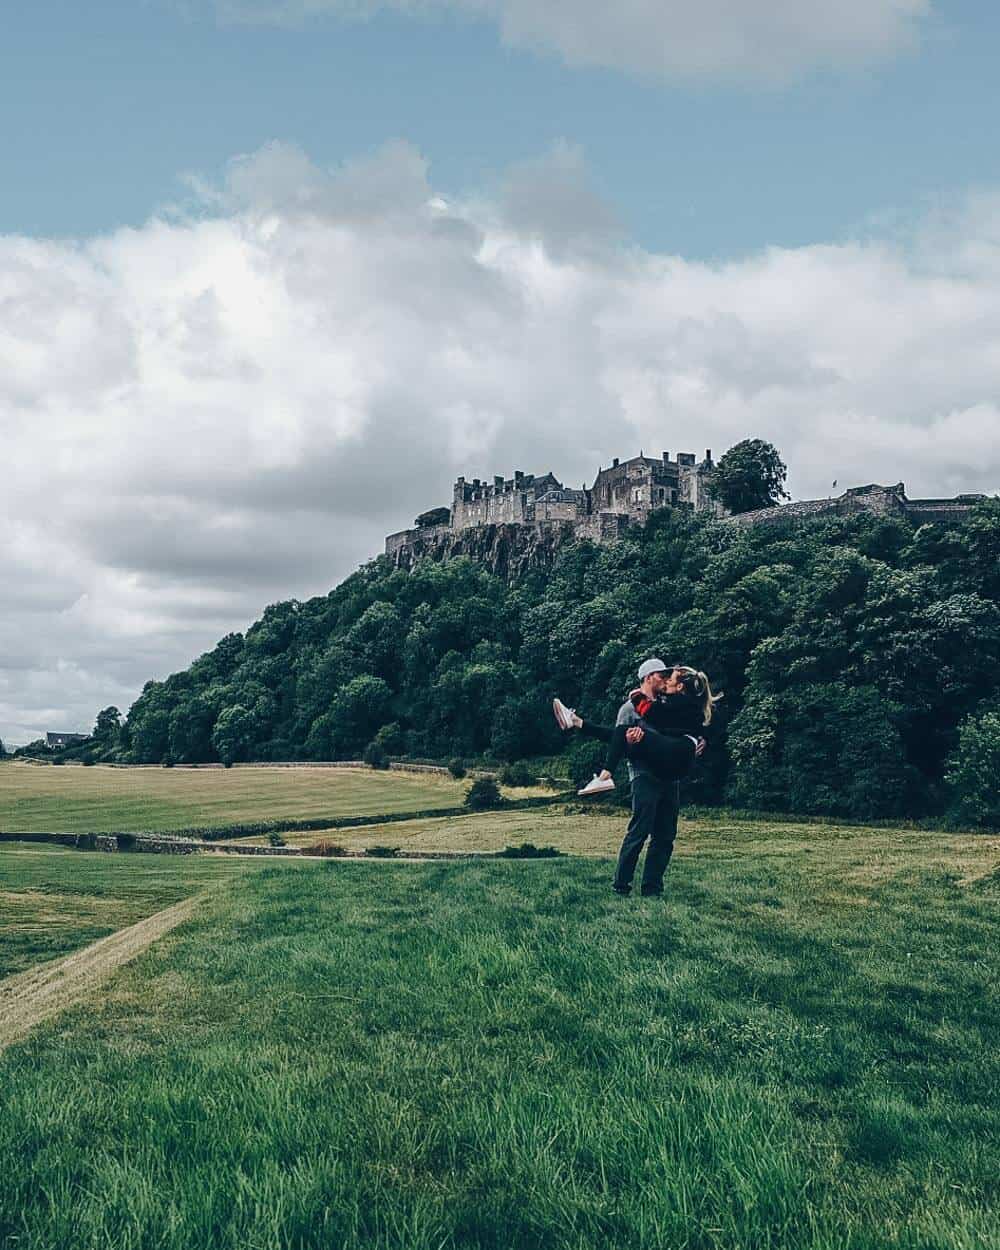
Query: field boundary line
point(29, 998)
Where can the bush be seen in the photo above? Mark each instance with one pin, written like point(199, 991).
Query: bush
point(167, 761)
point(586, 757)
point(383, 852)
point(457, 769)
point(327, 848)
point(518, 774)
point(275, 839)
point(484, 795)
point(88, 763)
point(973, 772)
point(375, 755)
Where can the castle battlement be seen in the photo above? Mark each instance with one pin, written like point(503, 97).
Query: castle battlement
point(623, 494)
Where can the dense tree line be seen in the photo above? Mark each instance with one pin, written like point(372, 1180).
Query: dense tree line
point(860, 660)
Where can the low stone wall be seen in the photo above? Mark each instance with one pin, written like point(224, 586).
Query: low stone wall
point(138, 844)
point(399, 766)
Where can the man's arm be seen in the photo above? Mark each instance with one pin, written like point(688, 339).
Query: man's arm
point(627, 715)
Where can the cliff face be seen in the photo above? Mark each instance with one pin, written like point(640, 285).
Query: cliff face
point(506, 550)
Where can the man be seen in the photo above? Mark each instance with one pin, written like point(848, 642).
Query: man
point(655, 802)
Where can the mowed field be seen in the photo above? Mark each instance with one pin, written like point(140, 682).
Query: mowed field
point(799, 1046)
point(53, 902)
point(91, 800)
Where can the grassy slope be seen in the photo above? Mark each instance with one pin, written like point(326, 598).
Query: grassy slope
point(76, 800)
point(798, 1049)
point(53, 901)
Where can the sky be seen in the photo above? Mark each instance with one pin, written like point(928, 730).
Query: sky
point(274, 272)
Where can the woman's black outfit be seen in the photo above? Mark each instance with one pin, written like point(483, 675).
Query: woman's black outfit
point(667, 749)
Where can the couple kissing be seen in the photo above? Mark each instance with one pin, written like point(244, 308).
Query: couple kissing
point(659, 730)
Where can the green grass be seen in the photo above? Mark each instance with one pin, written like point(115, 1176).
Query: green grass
point(85, 800)
point(797, 1048)
point(54, 901)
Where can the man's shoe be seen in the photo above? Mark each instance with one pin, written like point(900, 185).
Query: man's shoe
point(597, 785)
point(563, 714)
point(651, 893)
point(623, 890)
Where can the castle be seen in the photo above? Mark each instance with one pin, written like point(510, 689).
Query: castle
point(622, 495)
point(514, 524)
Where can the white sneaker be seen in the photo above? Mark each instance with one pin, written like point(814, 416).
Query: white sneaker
point(563, 714)
point(597, 785)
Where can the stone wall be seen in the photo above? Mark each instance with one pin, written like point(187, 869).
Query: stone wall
point(921, 511)
point(875, 499)
point(405, 538)
point(602, 527)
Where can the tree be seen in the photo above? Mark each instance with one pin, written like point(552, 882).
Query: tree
point(151, 736)
point(108, 726)
point(517, 729)
point(973, 772)
point(3, 750)
point(750, 475)
point(390, 738)
point(358, 712)
point(232, 736)
point(830, 748)
point(484, 795)
point(191, 726)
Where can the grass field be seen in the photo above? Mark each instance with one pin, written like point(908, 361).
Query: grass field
point(54, 901)
point(85, 800)
point(799, 1047)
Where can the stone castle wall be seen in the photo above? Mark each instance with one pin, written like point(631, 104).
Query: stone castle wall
point(874, 499)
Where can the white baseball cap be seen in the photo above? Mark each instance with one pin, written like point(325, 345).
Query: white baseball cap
point(651, 666)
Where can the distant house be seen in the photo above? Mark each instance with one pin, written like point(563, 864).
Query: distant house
point(65, 740)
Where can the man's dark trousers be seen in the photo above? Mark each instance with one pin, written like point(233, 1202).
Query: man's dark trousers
point(655, 805)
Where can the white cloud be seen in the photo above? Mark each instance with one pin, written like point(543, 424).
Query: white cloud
point(744, 40)
point(201, 417)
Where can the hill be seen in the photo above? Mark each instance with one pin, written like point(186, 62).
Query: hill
point(850, 649)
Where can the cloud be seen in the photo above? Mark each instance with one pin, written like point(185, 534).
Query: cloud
point(769, 41)
point(203, 416)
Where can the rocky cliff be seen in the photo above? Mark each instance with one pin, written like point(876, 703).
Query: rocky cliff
point(506, 550)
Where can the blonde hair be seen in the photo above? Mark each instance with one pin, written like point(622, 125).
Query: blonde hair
point(697, 684)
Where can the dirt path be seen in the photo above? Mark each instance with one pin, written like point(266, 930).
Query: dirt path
point(33, 996)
